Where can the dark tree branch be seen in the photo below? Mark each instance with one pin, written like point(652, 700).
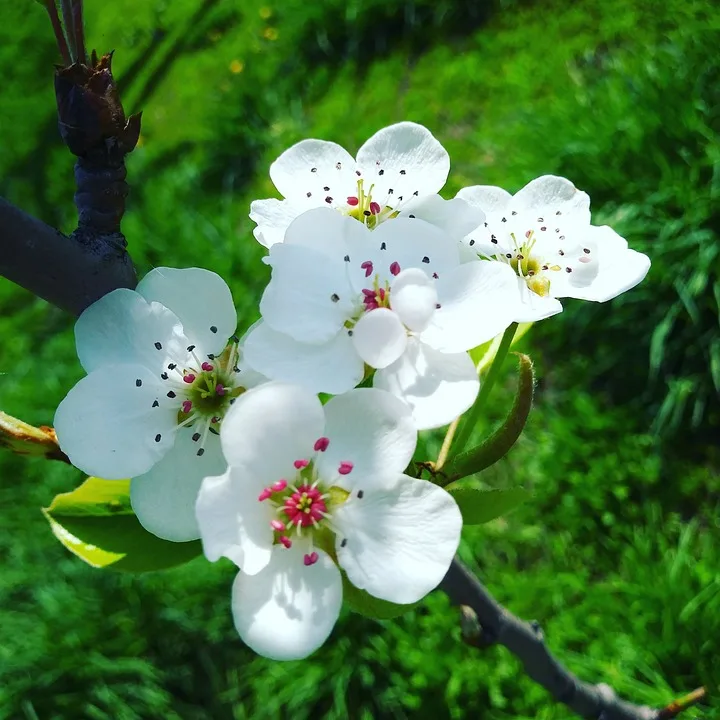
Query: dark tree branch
point(69, 272)
point(526, 642)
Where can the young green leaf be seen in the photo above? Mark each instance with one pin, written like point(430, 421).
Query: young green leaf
point(365, 604)
point(480, 506)
point(497, 445)
point(96, 523)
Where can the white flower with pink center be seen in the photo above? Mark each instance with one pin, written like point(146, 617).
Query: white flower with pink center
point(312, 493)
point(398, 172)
point(161, 376)
point(544, 234)
point(396, 299)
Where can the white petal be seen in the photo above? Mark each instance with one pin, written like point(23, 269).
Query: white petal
point(271, 426)
point(397, 543)
point(456, 217)
point(553, 196)
point(123, 327)
point(379, 337)
point(200, 298)
point(371, 429)
point(410, 158)
point(323, 230)
point(488, 198)
point(107, 424)
point(414, 298)
point(411, 244)
point(478, 300)
point(310, 166)
point(334, 367)
point(533, 307)
point(233, 522)
point(164, 497)
point(273, 217)
point(309, 297)
point(288, 610)
point(437, 386)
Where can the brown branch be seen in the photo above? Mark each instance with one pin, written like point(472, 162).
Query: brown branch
point(493, 624)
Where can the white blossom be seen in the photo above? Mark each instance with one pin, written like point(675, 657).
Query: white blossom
point(396, 299)
point(310, 488)
point(398, 172)
point(544, 234)
point(161, 376)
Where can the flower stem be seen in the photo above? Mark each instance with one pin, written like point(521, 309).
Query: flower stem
point(473, 414)
point(447, 442)
point(57, 29)
point(68, 22)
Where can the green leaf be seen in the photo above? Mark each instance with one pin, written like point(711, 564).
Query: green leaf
point(480, 506)
point(497, 445)
point(24, 439)
point(96, 523)
point(365, 604)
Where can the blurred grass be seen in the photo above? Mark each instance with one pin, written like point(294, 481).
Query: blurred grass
point(618, 557)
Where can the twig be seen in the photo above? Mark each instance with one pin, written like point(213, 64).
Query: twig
point(526, 642)
point(677, 706)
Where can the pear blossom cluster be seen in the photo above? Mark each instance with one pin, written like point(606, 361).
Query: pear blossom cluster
point(379, 289)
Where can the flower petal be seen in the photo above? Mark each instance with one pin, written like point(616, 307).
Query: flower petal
point(164, 497)
point(371, 429)
point(437, 386)
point(334, 367)
point(406, 159)
point(273, 217)
point(456, 217)
point(107, 424)
point(271, 426)
point(200, 298)
point(312, 171)
point(309, 297)
point(553, 196)
point(379, 337)
point(414, 298)
point(477, 301)
point(488, 198)
point(397, 543)
point(123, 327)
point(288, 609)
point(233, 522)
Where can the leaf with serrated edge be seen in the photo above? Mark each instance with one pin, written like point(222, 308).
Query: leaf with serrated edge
point(96, 523)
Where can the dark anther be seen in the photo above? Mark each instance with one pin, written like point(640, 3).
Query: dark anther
point(514, 212)
point(390, 191)
point(543, 228)
point(213, 329)
point(338, 165)
point(200, 452)
point(346, 258)
point(158, 346)
point(211, 356)
point(158, 437)
point(411, 216)
point(472, 242)
point(328, 199)
point(381, 172)
point(235, 338)
point(383, 246)
point(558, 213)
point(344, 542)
point(171, 394)
point(508, 255)
point(402, 172)
point(196, 437)
point(366, 213)
point(400, 198)
point(326, 188)
point(568, 270)
point(438, 306)
point(138, 383)
point(586, 251)
point(350, 333)
point(426, 259)
point(360, 494)
point(504, 219)
point(156, 403)
point(190, 348)
point(561, 252)
point(493, 239)
point(540, 220)
point(335, 297)
point(172, 366)
point(213, 431)
point(313, 170)
point(164, 376)
point(416, 193)
point(308, 194)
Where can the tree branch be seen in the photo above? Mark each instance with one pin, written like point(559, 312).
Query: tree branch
point(70, 272)
point(526, 642)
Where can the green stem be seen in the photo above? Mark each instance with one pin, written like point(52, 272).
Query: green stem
point(473, 413)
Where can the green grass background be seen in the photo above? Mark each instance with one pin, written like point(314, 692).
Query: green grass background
point(618, 556)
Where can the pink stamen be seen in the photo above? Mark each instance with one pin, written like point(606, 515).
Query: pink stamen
point(219, 389)
point(528, 233)
point(286, 541)
point(265, 494)
point(279, 486)
point(311, 559)
point(367, 266)
point(381, 294)
point(374, 208)
point(321, 444)
point(352, 201)
point(345, 467)
point(300, 464)
point(277, 525)
point(207, 367)
point(187, 406)
point(370, 294)
point(215, 419)
point(305, 507)
point(584, 259)
point(189, 378)
point(395, 268)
